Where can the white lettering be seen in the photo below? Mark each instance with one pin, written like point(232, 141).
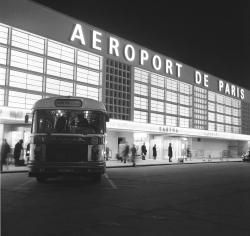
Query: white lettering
point(96, 40)
point(221, 85)
point(206, 80)
point(78, 34)
point(233, 90)
point(129, 52)
point(113, 46)
point(169, 66)
point(179, 66)
point(238, 92)
point(156, 62)
point(242, 93)
point(143, 56)
point(197, 77)
point(227, 89)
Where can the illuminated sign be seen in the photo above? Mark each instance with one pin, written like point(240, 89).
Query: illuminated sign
point(68, 103)
point(145, 57)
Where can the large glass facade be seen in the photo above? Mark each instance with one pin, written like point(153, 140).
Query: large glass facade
point(166, 101)
point(33, 67)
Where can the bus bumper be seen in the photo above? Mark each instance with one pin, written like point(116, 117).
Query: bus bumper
point(55, 169)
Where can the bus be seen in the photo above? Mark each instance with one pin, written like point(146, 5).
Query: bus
point(67, 137)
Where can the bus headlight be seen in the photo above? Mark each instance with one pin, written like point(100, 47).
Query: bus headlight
point(97, 152)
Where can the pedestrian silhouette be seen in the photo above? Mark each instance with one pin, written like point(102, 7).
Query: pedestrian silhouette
point(17, 151)
point(143, 151)
point(170, 152)
point(154, 152)
point(133, 155)
point(5, 149)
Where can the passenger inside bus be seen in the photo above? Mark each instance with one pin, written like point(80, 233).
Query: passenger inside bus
point(60, 124)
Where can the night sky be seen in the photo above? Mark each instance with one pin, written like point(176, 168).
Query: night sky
point(213, 36)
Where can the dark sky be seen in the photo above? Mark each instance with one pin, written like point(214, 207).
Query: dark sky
point(213, 36)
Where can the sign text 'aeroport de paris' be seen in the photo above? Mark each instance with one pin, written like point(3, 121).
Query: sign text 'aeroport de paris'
point(157, 61)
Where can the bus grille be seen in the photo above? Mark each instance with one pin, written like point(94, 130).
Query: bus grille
point(66, 152)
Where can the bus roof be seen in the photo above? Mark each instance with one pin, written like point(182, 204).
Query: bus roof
point(69, 102)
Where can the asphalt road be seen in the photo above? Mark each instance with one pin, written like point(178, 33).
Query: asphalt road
point(190, 199)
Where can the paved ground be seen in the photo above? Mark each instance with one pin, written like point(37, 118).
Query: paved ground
point(201, 199)
point(139, 162)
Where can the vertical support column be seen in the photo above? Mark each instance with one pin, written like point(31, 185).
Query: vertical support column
point(45, 59)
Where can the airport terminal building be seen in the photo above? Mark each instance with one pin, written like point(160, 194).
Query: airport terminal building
point(150, 98)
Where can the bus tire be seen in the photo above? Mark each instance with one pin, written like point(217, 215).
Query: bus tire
point(41, 179)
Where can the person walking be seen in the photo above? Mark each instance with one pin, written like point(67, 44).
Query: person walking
point(143, 151)
point(5, 150)
point(17, 151)
point(154, 152)
point(170, 152)
point(125, 153)
point(133, 155)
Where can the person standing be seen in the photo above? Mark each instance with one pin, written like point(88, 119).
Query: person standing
point(154, 152)
point(17, 151)
point(133, 154)
point(143, 151)
point(5, 150)
point(170, 152)
point(125, 153)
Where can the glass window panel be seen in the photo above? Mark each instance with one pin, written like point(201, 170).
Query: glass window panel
point(141, 89)
point(22, 100)
point(26, 61)
point(87, 76)
point(157, 119)
point(211, 96)
point(220, 118)
point(87, 92)
point(171, 84)
point(141, 103)
point(60, 69)
point(211, 116)
point(59, 87)
point(89, 60)
point(60, 51)
point(220, 127)
point(211, 126)
point(171, 108)
point(185, 88)
point(157, 106)
point(3, 34)
point(157, 93)
point(3, 55)
point(220, 98)
point(185, 100)
point(184, 122)
point(27, 41)
point(2, 76)
point(171, 96)
point(211, 106)
point(220, 108)
point(141, 75)
point(157, 80)
point(171, 121)
point(140, 116)
point(1, 97)
point(184, 111)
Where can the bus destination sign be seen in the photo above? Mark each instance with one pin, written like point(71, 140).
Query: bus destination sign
point(68, 103)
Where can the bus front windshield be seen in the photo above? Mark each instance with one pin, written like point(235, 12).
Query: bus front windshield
point(69, 121)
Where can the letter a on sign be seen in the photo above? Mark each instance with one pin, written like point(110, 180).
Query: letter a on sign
point(78, 34)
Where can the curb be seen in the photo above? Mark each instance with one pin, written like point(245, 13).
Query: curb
point(140, 165)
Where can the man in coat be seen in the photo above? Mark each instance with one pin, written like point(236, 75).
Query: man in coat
point(17, 151)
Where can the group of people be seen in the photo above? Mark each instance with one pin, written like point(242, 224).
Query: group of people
point(126, 151)
point(6, 150)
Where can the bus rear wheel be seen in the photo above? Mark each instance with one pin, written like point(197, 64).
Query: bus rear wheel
point(41, 179)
